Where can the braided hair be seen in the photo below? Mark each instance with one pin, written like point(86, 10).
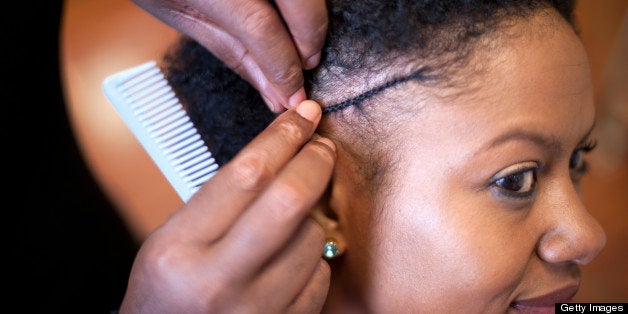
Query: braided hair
point(424, 40)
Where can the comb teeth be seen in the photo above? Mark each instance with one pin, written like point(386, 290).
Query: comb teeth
point(149, 106)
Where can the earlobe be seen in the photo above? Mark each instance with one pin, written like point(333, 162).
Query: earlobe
point(335, 244)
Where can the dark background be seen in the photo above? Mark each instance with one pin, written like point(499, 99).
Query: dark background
point(73, 251)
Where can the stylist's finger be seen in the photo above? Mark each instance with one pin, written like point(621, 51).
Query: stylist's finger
point(291, 269)
point(313, 295)
point(273, 218)
point(307, 23)
point(251, 37)
point(238, 57)
point(269, 45)
point(214, 208)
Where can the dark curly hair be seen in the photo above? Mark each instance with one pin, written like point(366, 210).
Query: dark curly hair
point(425, 41)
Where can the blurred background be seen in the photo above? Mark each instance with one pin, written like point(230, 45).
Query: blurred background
point(87, 194)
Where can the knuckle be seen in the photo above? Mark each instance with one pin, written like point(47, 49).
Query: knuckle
point(250, 173)
point(168, 264)
point(291, 75)
point(324, 153)
point(290, 130)
point(289, 198)
point(258, 22)
point(178, 272)
point(289, 202)
point(175, 268)
point(161, 259)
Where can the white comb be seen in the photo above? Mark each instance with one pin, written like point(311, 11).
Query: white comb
point(150, 108)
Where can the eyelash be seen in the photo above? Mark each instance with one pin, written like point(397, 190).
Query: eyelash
point(528, 181)
point(577, 165)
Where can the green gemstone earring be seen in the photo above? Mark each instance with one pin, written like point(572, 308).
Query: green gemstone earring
point(331, 249)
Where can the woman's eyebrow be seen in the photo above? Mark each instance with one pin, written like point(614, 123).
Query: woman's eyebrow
point(550, 143)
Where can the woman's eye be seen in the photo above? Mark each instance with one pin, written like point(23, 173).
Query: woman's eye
point(578, 167)
point(576, 161)
point(518, 182)
point(522, 182)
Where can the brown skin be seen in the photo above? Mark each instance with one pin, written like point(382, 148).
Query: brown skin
point(245, 242)
point(437, 233)
point(444, 237)
point(268, 47)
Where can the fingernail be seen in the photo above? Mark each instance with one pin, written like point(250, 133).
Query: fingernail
point(309, 109)
point(296, 98)
point(312, 61)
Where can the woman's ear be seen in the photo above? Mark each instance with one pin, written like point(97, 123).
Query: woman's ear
point(322, 212)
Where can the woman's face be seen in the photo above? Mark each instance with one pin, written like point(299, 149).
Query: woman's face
point(481, 209)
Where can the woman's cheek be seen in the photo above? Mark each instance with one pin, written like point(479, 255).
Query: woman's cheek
point(477, 240)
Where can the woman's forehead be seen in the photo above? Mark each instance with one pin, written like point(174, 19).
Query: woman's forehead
point(539, 82)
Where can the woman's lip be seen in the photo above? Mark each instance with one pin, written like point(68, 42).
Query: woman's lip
point(563, 295)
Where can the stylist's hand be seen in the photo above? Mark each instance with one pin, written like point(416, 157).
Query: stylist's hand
point(268, 46)
point(245, 242)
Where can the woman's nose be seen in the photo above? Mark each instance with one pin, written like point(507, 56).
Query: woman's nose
point(574, 235)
